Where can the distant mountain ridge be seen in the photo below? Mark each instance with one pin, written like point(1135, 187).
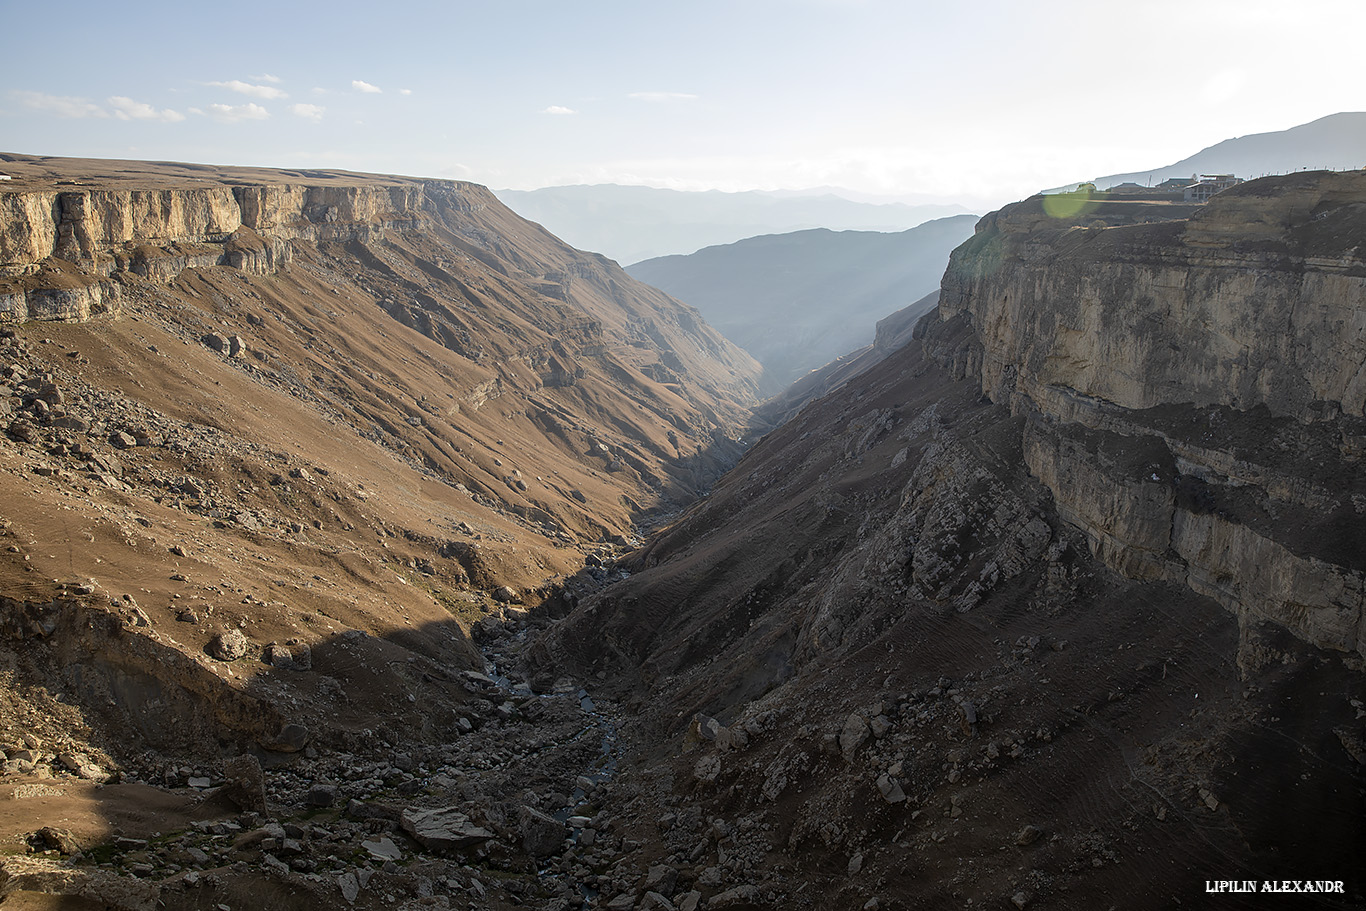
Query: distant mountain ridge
point(632, 224)
point(797, 301)
point(1336, 142)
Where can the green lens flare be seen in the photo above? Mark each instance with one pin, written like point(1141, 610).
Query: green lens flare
point(1070, 205)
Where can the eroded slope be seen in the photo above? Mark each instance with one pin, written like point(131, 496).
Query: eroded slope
point(275, 442)
point(1061, 599)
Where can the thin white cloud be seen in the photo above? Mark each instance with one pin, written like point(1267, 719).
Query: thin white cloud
point(366, 87)
point(246, 88)
point(657, 97)
point(313, 112)
point(233, 113)
point(267, 77)
point(128, 109)
point(405, 91)
point(61, 105)
point(558, 109)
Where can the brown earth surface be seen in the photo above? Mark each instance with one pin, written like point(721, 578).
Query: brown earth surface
point(432, 418)
point(260, 612)
point(1059, 724)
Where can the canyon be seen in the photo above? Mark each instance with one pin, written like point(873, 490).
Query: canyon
point(363, 543)
point(798, 301)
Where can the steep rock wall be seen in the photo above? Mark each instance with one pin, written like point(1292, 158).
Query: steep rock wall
point(1254, 300)
point(1195, 386)
point(157, 232)
point(71, 231)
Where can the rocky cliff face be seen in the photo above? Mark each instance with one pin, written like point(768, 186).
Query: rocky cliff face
point(1198, 388)
point(1251, 301)
point(1095, 535)
point(276, 448)
point(988, 622)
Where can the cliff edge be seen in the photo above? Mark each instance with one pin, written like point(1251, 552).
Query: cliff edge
point(1196, 387)
point(1062, 597)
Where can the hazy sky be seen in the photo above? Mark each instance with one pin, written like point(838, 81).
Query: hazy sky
point(979, 102)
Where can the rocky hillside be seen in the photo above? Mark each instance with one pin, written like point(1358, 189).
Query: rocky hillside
point(797, 301)
point(321, 584)
point(275, 444)
point(1059, 606)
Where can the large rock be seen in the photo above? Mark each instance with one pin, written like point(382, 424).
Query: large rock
point(82, 766)
point(890, 789)
point(443, 830)
point(854, 734)
point(740, 897)
point(244, 784)
point(229, 645)
point(542, 835)
point(59, 840)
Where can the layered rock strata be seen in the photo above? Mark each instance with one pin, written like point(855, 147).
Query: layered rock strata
point(1095, 535)
point(1197, 387)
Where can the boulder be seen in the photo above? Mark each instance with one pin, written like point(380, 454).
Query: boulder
point(277, 655)
point(542, 835)
point(382, 849)
point(853, 736)
point(443, 829)
point(740, 897)
point(708, 768)
point(229, 645)
point(244, 784)
point(96, 887)
point(890, 789)
point(349, 886)
point(301, 656)
point(707, 727)
point(662, 878)
point(59, 840)
point(81, 766)
point(321, 795)
point(291, 738)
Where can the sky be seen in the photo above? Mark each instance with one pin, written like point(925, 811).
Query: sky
point(977, 103)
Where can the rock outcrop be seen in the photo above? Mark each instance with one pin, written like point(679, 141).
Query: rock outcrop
point(1253, 300)
point(1095, 535)
point(1198, 386)
point(332, 426)
point(71, 232)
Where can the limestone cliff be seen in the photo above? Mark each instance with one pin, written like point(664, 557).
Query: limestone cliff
point(1197, 386)
point(1060, 598)
point(70, 231)
point(401, 371)
point(1253, 300)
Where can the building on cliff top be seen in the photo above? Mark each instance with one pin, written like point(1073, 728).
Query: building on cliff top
point(1208, 185)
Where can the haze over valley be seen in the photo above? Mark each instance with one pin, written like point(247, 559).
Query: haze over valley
point(797, 301)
